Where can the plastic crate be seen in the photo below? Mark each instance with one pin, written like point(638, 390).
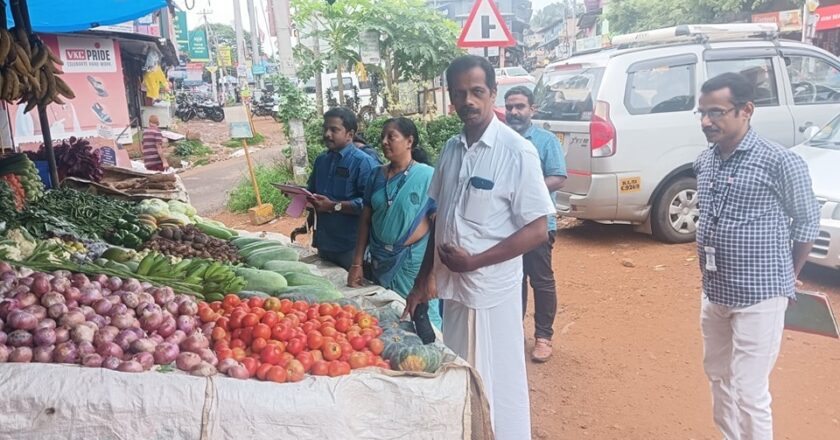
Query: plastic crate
point(44, 172)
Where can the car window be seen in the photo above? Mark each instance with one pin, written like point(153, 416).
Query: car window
point(567, 93)
point(758, 70)
point(828, 137)
point(516, 71)
point(348, 83)
point(660, 89)
point(813, 80)
point(501, 89)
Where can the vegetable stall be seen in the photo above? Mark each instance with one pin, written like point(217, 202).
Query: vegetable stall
point(112, 306)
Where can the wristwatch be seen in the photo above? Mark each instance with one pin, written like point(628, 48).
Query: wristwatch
point(337, 207)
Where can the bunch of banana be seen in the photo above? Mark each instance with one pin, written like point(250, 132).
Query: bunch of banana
point(148, 220)
point(29, 71)
point(214, 277)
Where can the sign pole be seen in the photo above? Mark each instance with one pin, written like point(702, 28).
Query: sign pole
point(501, 57)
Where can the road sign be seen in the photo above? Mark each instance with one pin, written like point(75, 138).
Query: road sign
point(485, 27)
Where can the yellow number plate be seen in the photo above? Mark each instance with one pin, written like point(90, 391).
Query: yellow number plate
point(630, 184)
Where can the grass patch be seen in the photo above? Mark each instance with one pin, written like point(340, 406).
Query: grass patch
point(201, 162)
point(191, 148)
point(243, 198)
point(237, 143)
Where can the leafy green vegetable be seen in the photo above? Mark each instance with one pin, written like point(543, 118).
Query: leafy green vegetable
point(67, 211)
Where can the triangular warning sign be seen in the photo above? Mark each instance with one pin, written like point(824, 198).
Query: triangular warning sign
point(485, 27)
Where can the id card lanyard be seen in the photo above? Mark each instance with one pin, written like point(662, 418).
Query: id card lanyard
point(717, 208)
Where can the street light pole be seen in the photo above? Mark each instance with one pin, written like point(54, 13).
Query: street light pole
point(240, 34)
point(255, 47)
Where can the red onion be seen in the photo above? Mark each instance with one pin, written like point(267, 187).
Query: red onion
point(122, 321)
point(105, 334)
point(147, 360)
point(25, 280)
point(105, 291)
point(177, 337)
point(7, 305)
point(145, 285)
point(21, 354)
point(46, 323)
point(26, 298)
point(208, 356)
point(167, 327)
point(143, 345)
point(186, 361)
point(109, 349)
point(130, 300)
point(163, 295)
point(21, 320)
point(83, 332)
point(51, 298)
point(207, 327)
point(62, 334)
point(44, 336)
point(5, 267)
point(114, 299)
point(137, 331)
point(61, 273)
point(130, 367)
point(102, 306)
point(111, 362)
point(72, 318)
point(118, 308)
point(43, 354)
point(100, 278)
point(114, 283)
point(238, 371)
point(146, 308)
point(189, 308)
point(56, 311)
point(59, 284)
point(73, 293)
point(186, 324)
point(125, 338)
point(20, 338)
point(179, 298)
point(85, 347)
point(66, 353)
point(3, 338)
point(131, 285)
point(171, 307)
point(203, 369)
point(79, 280)
point(195, 342)
point(93, 360)
point(40, 286)
point(166, 352)
point(145, 297)
point(225, 365)
point(37, 310)
point(4, 353)
point(156, 338)
point(99, 321)
point(87, 311)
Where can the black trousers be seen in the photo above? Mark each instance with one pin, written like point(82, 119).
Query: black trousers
point(536, 266)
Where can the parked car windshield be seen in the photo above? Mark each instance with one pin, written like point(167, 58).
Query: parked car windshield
point(828, 137)
point(516, 71)
point(567, 94)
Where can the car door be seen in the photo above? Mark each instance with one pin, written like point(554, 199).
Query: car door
point(772, 118)
point(812, 82)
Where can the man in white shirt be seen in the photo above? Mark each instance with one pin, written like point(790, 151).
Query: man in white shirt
point(492, 207)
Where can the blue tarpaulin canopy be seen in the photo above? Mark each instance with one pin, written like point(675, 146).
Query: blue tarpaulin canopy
point(78, 15)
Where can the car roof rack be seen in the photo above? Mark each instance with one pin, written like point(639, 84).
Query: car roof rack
point(698, 33)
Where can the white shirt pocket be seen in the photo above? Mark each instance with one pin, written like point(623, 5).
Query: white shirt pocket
point(479, 198)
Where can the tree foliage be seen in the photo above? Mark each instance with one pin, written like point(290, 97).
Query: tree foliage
point(225, 34)
point(548, 15)
point(627, 16)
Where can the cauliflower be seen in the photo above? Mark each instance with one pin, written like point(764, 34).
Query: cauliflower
point(23, 242)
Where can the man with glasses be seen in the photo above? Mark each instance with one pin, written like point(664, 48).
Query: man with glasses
point(756, 199)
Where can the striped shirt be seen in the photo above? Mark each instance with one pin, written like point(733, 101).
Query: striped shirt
point(151, 139)
point(762, 199)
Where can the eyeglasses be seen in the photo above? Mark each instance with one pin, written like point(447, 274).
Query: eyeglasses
point(713, 114)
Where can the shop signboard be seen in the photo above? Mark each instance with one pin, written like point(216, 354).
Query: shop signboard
point(225, 55)
point(369, 47)
point(258, 68)
point(99, 112)
point(195, 72)
point(199, 51)
point(829, 17)
point(589, 43)
point(182, 33)
point(787, 21)
point(126, 28)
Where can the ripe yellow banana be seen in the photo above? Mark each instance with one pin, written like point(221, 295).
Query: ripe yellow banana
point(5, 43)
point(62, 88)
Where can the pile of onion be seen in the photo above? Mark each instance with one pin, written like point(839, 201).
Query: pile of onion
point(99, 321)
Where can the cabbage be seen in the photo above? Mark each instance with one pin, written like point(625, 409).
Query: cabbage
point(182, 218)
point(155, 207)
point(182, 208)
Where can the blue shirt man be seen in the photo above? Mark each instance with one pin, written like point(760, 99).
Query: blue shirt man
point(338, 181)
point(536, 265)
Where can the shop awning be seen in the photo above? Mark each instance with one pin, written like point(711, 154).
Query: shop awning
point(73, 16)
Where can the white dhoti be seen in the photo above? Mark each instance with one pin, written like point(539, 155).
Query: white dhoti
point(492, 341)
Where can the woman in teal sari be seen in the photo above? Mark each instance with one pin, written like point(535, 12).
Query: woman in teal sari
point(395, 224)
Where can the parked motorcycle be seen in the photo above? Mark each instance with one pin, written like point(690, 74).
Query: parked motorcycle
point(265, 106)
point(188, 107)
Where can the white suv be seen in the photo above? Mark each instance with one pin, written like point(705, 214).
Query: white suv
point(625, 116)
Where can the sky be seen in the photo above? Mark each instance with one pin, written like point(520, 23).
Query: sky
point(222, 12)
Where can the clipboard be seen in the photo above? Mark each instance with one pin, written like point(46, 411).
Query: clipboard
point(299, 196)
point(811, 313)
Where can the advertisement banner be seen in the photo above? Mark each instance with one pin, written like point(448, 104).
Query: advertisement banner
point(224, 55)
point(100, 110)
point(829, 17)
point(182, 32)
point(195, 72)
point(369, 47)
point(199, 51)
point(787, 21)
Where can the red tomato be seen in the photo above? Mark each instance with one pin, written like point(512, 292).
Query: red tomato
point(285, 306)
point(238, 353)
point(351, 334)
point(237, 343)
point(293, 319)
point(328, 331)
point(377, 331)
point(258, 345)
point(270, 318)
point(247, 335)
point(235, 321)
point(255, 301)
point(221, 345)
point(306, 359)
point(271, 354)
point(358, 360)
point(276, 374)
point(309, 326)
point(251, 364)
point(368, 332)
point(314, 340)
point(331, 350)
point(345, 356)
point(207, 315)
point(223, 353)
point(339, 368)
point(295, 346)
point(262, 371)
point(216, 306)
point(320, 368)
point(382, 364)
point(261, 331)
point(223, 322)
point(325, 309)
point(358, 342)
point(300, 306)
point(250, 320)
point(343, 324)
point(317, 355)
point(350, 309)
point(272, 304)
point(312, 313)
point(218, 333)
point(294, 371)
point(282, 333)
point(355, 328)
point(325, 320)
point(376, 346)
point(259, 311)
point(231, 300)
point(285, 357)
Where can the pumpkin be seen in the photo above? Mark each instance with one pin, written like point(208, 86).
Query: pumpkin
point(385, 314)
point(306, 297)
point(425, 358)
point(395, 339)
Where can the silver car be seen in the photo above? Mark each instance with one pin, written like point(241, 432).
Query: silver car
point(822, 153)
point(625, 116)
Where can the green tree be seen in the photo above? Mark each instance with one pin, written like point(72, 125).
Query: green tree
point(626, 16)
point(548, 15)
point(225, 34)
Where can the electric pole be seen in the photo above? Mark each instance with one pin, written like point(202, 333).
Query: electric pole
point(282, 23)
point(213, 68)
point(319, 85)
point(255, 46)
point(240, 35)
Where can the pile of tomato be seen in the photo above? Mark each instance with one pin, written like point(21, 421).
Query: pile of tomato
point(279, 340)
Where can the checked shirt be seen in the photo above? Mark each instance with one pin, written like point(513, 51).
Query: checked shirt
point(763, 199)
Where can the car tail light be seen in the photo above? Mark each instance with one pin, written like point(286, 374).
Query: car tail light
point(602, 131)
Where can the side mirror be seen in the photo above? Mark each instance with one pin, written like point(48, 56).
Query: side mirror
point(811, 131)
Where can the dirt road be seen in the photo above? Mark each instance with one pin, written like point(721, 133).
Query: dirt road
point(627, 362)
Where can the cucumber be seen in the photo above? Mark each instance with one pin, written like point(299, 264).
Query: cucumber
point(262, 280)
point(320, 294)
point(284, 267)
point(241, 242)
point(254, 247)
point(252, 293)
point(214, 296)
point(259, 258)
point(305, 279)
point(214, 231)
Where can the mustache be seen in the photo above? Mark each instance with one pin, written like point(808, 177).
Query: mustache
point(516, 119)
point(467, 111)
